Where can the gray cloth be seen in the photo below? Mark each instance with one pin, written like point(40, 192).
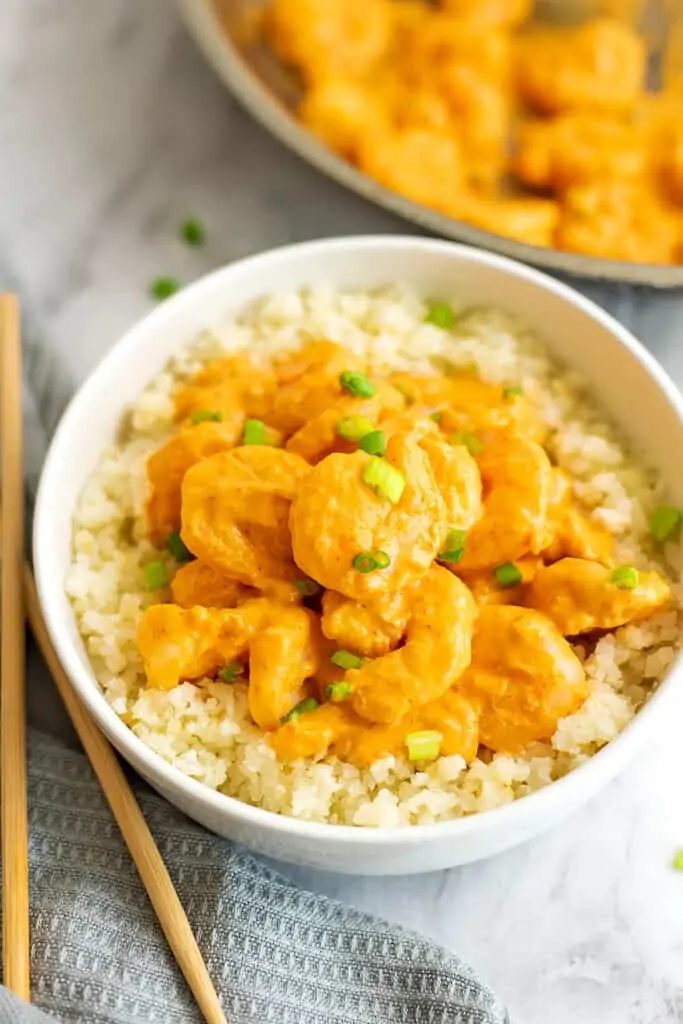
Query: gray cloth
point(275, 953)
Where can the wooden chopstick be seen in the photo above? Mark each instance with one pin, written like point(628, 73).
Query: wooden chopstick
point(131, 821)
point(13, 803)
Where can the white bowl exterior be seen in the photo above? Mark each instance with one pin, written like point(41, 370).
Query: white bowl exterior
point(630, 384)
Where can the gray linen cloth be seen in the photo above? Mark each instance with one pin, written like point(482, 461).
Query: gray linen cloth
point(276, 953)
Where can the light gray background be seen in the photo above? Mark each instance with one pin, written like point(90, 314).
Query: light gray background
point(111, 131)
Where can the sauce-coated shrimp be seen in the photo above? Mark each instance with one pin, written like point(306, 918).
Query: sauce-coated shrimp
point(308, 383)
point(524, 677)
point(336, 516)
point(197, 583)
point(358, 627)
point(235, 509)
point(517, 478)
point(436, 652)
point(232, 387)
point(320, 436)
point(177, 644)
point(580, 596)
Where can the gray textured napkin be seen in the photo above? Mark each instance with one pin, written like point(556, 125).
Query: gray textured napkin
point(276, 953)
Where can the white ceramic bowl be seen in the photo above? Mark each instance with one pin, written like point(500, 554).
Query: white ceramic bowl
point(627, 380)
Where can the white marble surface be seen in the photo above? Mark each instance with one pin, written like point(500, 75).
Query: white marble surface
point(112, 130)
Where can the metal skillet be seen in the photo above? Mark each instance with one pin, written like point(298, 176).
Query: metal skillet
point(270, 93)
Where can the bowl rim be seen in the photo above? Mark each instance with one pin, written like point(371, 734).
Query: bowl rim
point(224, 56)
point(605, 762)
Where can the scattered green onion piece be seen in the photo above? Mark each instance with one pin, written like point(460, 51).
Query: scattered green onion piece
point(307, 588)
point(512, 392)
point(163, 288)
point(193, 232)
point(625, 577)
point(357, 384)
point(304, 707)
point(256, 432)
point(352, 428)
point(382, 558)
point(677, 862)
point(441, 315)
point(177, 547)
point(665, 523)
point(470, 441)
point(507, 575)
point(436, 416)
point(231, 672)
point(424, 746)
point(206, 416)
point(338, 692)
point(454, 547)
point(346, 660)
point(365, 562)
point(385, 479)
point(374, 443)
point(155, 574)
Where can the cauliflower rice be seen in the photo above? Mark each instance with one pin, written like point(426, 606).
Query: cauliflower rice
point(204, 729)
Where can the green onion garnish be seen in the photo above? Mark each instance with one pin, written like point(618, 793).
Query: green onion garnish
point(625, 577)
point(193, 232)
point(454, 547)
point(346, 660)
point(256, 432)
point(357, 384)
point(507, 575)
point(436, 416)
point(470, 441)
point(368, 561)
point(178, 548)
point(338, 692)
point(665, 523)
point(163, 288)
point(512, 392)
point(374, 443)
point(424, 746)
point(307, 588)
point(385, 479)
point(352, 428)
point(231, 672)
point(304, 707)
point(677, 862)
point(206, 416)
point(155, 574)
point(441, 315)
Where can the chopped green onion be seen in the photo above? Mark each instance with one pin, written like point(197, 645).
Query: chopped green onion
point(352, 428)
point(177, 547)
point(677, 862)
point(512, 392)
point(231, 672)
point(454, 547)
point(338, 692)
point(304, 707)
point(163, 288)
point(346, 660)
point(256, 432)
point(625, 577)
point(665, 523)
point(436, 416)
point(385, 479)
point(470, 441)
point(357, 384)
point(193, 232)
point(374, 443)
point(441, 315)
point(206, 416)
point(424, 746)
point(307, 588)
point(507, 575)
point(368, 561)
point(155, 574)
